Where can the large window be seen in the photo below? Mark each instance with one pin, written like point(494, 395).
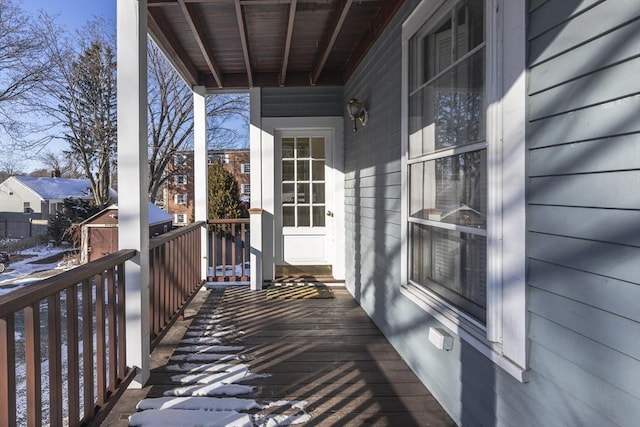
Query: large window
point(464, 205)
point(447, 158)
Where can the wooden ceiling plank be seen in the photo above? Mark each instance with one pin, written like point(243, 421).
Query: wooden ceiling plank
point(340, 14)
point(165, 38)
point(287, 43)
point(201, 38)
point(243, 39)
point(378, 24)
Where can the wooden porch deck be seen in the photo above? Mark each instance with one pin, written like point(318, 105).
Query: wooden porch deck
point(326, 352)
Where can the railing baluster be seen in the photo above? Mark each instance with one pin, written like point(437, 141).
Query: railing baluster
point(111, 318)
point(223, 251)
point(101, 362)
point(7, 371)
point(122, 330)
point(73, 370)
point(32, 359)
point(152, 292)
point(55, 360)
point(234, 260)
point(243, 234)
point(87, 349)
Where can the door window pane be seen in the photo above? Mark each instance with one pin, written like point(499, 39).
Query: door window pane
point(317, 148)
point(303, 170)
point(288, 145)
point(303, 193)
point(288, 216)
point(318, 216)
point(304, 216)
point(318, 193)
point(288, 171)
point(288, 193)
point(318, 170)
point(303, 148)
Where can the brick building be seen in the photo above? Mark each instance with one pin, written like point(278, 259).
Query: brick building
point(179, 190)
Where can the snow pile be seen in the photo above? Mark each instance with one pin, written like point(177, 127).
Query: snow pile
point(208, 393)
point(33, 266)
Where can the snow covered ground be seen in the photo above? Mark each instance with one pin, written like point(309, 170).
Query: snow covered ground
point(32, 265)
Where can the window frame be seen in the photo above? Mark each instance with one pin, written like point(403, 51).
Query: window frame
point(180, 179)
point(178, 216)
point(503, 338)
point(245, 168)
point(243, 187)
point(181, 198)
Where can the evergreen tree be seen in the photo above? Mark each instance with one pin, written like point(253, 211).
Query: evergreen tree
point(224, 200)
point(66, 223)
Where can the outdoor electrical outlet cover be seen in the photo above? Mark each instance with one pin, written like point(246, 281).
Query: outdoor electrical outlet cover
point(441, 339)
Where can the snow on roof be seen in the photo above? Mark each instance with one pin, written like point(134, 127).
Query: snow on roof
point(59, 188)
point(156, 214)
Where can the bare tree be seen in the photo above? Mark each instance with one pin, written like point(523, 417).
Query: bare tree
point(9, 166)
point(66, 166)
point(171, 118)
point(23, 66)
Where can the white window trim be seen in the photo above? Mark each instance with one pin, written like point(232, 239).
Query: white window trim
point(178, 178)
point(243, 168)
point(180, 196)
point(243, 188)
point(504, 339)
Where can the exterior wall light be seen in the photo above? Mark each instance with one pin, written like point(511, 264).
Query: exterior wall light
point(357, 112)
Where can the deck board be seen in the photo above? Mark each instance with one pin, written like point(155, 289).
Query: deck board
point(326, 352)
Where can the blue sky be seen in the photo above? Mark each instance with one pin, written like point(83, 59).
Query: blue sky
point(72, 13)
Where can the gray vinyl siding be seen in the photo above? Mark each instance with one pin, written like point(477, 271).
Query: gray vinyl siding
point(317, 101)
point(583, 220)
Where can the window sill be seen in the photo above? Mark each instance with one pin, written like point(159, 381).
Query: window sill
point(466, 328)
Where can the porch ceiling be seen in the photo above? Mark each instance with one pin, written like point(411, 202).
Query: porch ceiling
point(266, 43)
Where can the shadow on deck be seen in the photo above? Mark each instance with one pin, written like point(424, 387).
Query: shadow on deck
point(325, 352)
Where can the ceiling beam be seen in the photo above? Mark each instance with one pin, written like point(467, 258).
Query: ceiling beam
point(376, 27)
point(338, 17)
point(287, 42)
point(167, 41)
point(199, 33)
point(243, 40)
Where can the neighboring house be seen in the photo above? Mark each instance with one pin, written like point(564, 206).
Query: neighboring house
point(25, 200)
point(100, 232)
point(179, 193)
point(525, 111)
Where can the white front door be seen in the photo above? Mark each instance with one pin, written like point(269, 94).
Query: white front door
point(305, 199)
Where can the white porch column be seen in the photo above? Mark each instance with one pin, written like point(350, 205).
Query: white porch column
point(133, 218)
point(200, 175)
point(256, 211)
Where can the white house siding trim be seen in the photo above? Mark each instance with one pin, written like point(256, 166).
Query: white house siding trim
point(584, 361)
